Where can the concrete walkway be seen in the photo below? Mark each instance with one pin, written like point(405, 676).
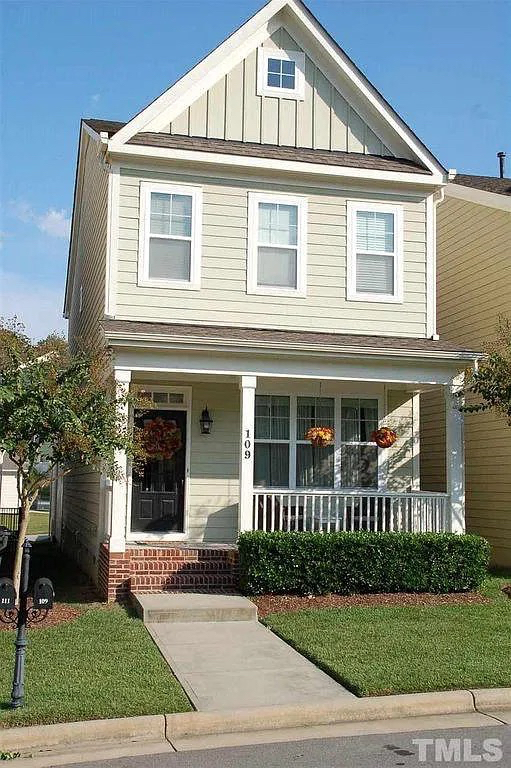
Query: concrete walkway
point(225, 659)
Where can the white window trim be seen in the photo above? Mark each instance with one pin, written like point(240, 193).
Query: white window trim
point(353, 206)
point(146, 188)
point(382, 453)
point(254, 198)
point(263, 89)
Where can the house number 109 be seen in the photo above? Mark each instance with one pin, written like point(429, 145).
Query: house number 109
point(247, 444)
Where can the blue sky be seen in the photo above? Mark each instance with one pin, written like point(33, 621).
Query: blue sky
point(444, 65)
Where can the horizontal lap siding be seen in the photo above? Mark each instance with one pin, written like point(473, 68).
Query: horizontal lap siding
point(81, 500)
point(214, 465)
point(223, 298)
point(82, 486)
point(91, 241)
point(400, 456)
point(474, 288)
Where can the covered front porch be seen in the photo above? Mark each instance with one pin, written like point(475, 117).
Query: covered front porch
point(254, 469)
point(176, 525)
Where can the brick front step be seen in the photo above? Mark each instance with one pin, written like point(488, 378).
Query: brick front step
point(146, 569)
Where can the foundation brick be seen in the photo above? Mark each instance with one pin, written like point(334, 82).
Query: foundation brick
point(155, 569)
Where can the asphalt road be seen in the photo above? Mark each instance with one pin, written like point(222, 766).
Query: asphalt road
point(454, 747)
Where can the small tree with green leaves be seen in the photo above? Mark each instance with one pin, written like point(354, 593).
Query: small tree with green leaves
point(489, 387)
point(57, 410)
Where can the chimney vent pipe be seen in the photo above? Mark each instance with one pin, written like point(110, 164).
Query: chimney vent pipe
point(502, 163)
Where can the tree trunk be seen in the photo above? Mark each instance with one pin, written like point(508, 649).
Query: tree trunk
point(22, 532)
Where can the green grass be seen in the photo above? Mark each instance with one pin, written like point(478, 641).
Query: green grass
point(378, 650)
point(38, 522)
point(102, 664)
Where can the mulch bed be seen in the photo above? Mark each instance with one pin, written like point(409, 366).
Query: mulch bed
point(284, 603)
point(61, 613)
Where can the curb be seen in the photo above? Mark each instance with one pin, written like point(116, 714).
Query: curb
point(165, 728)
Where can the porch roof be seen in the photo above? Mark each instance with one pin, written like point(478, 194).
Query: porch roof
point(133, 330)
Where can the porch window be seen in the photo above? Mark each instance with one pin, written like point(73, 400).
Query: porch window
point(271, 456)
point(359, 456)
point(276, 253)
point(314, 464)
point(169, 247)
point(374, 252)
point(284, 459)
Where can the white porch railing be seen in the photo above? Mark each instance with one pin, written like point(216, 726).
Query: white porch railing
point(329, 511)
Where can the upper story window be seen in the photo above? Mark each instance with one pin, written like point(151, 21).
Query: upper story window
point(170, 235)
point(374, 252)
point(276, 245)
point(281, 73)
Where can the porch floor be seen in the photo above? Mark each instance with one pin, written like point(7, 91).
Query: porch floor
point(226, 664)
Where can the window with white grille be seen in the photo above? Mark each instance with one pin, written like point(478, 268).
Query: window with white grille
point(374, 246)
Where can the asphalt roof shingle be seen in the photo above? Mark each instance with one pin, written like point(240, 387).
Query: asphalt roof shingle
point(269, 151)
point(279, 338)
point(486, 183)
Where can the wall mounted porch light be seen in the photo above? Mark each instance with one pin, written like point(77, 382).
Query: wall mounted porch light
point(206, 422)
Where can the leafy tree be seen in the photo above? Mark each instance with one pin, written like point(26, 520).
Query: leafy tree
point(57, 410)
point(489, 387)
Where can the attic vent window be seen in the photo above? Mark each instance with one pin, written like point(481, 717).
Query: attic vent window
point(281, 73)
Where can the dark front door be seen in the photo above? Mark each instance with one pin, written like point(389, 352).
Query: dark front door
point(158, 498)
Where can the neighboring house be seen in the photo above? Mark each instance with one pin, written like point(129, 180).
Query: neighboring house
point(257, 246)
point(474, 289)
point(8, 483)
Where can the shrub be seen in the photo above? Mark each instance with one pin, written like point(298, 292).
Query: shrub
point(360, 562)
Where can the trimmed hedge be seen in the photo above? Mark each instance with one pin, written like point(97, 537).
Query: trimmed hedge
point(360, 562)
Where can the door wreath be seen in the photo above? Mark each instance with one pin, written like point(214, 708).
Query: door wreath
point(161, 439)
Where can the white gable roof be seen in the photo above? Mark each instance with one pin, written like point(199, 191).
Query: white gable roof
point(336, 65)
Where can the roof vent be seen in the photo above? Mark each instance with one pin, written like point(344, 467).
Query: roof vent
point(502, 163)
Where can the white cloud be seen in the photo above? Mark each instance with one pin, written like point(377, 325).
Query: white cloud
point(37, 306)
point(52, 222)
point(95, 97)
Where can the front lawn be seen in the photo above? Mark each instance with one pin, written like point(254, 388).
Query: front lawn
point(378, 650)
point(38, 523)
point(101, 664)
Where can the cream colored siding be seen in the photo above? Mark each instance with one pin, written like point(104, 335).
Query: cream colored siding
point(432, 441)
point(231, 109)
point(474, 288)
point(91, 239)
point(400, 456)
point(223, 297)
point(80, 505)
point(81, 488)
point(214, 465)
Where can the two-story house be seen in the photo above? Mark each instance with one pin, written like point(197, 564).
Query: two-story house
point(257, 248)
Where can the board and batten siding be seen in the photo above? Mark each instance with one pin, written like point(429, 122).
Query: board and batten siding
point(223, 299)
point(474, 288)
point(232, 110)
point(81, 488)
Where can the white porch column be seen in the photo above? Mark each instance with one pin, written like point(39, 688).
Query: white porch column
point(247, 406)
point(119, 505)
point(455, 454)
